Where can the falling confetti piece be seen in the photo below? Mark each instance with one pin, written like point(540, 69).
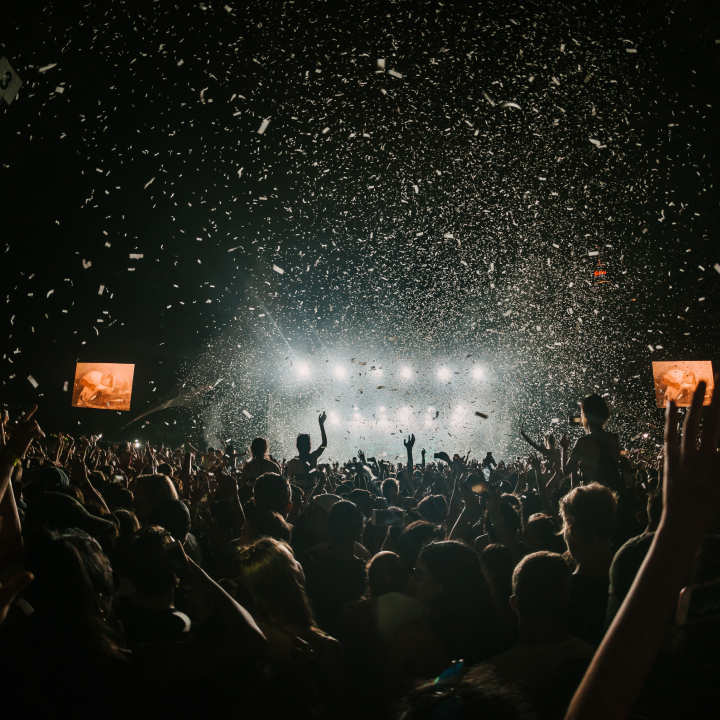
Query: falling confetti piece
point(263, 126)
point(32, 380)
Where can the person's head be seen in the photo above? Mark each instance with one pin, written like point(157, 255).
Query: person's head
point(476, 693)
point(272, 492)
point(147, 563)
point(390, 490)
point(174, 516)
point(511, 516)
point(261, 523)
point(259, 448)
point(271, 586)
point(541, 587)
point(345, 523)
point(540, 533)
point(434, 509)
point(128, 525)
point(588, 514)
point(385, 574)
point(595, 412)
point(165, 469)
point(497, 564)
point(72, 593)
point(303, 444)
point(150, 490)
point(363, 499)
point(412, 540)
point(450, 581)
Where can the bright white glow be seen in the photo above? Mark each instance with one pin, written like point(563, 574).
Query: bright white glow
point(334, 418)
point(406, 373)
point(378, 372)
point(303, 370)
point(444, 374)
point(458, 412)
point(431, 410)
point(340, 371)
point(382, 408)
point(428, 421)
point(404, 413)
point(478, 373)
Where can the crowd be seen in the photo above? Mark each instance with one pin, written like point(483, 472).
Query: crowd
point(137, 581)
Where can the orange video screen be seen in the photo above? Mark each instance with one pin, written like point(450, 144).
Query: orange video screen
point(677, 381)
point(103, 386)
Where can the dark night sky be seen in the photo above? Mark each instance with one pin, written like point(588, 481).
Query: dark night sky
point(409, 207)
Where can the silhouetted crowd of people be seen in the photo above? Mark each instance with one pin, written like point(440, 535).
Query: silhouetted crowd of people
point(578, 582)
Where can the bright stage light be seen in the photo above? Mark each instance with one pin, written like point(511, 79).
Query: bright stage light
point(444, 374)
point(303, 370)
point(404, 414)
point(406, 373)
point(478, 373)
point(382, 408)
point(334, 418)
point(340, 371)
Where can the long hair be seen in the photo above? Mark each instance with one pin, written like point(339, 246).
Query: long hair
point(72, 593)
point(272, 589)
point(462, 614)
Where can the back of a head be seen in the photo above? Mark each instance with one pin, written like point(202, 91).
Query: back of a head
point(434, 509)
point(542, 534)
point(151, 490)
point(269, 578)
point(412, 540)
point(497, 564)
point(541, 585)
point(165, 469)
point(174, 516)
point(595, 411)
point(476, 693)
point(385, 574)
point(272, 492)
point(259, 448)
point(590, 511)
point(146, 562)
point(72, 590)
point(390, 488)
point(345, 521)
point(303, 443)
point(266, 523)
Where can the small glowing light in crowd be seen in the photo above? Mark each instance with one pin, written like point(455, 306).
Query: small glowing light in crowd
point(478, 373)
point(646, 435)
point(340, 371)
point(444, 374)
point(406, 373)
point(137, 444)
point(303, 369)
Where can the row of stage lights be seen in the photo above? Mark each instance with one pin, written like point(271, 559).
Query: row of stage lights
point(404, 415)
point(406, 373)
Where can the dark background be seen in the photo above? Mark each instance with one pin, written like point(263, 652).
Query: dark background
point(369, 268)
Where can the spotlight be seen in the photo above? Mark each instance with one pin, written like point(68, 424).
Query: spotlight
point(340, 371)
point(406, 373)
point(478, 373)
point(382, 408)
point(303, 370)
point(444, 374)
point(334, 418)
point(404, 414)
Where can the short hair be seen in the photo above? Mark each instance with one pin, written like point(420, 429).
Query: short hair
point(165, 469)
point(272, 492)
point(344, 521)
point(155, 488)
point(266, 523)
point(259, 447)
point(387, 484)
point(541, 585)
point(385, 574)
point(595, 410)
point(590, 509)
point(412, 540)
point(433, 508)
point(304, 440)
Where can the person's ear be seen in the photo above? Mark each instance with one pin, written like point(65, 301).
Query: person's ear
point(514, 602)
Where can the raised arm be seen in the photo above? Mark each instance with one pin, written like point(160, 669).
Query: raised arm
point(530, 441)
point(323, 436)
point(691, 497)
point(409, 444)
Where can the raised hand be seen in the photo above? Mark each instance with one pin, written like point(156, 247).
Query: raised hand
point(23, 434)
point(691, 487)
point(410, 442)
point(322, 418)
